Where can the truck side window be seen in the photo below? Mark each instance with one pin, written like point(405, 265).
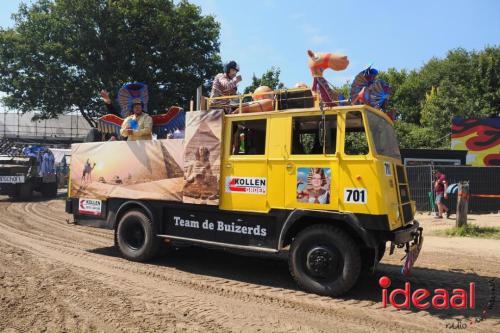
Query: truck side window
point(355, 135)
point(248, 137)
point(307, 135)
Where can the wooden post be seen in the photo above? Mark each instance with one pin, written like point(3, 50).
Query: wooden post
point(204, 102)
point(462, 204)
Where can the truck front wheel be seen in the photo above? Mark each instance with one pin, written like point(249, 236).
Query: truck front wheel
point(135, 237)
point(325, 260)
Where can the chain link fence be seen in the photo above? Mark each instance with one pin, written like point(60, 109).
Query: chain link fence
point(484, 186)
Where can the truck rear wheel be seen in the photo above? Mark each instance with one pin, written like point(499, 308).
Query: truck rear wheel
point(135, 237)
point(325, 260)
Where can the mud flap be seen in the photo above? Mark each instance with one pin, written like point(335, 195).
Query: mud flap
point(412, 250)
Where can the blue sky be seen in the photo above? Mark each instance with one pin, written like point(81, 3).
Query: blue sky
point(401, 34)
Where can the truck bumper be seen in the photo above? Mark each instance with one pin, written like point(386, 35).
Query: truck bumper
point(408, 233)
point(9, 189)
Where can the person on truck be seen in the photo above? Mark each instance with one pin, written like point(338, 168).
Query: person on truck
point(47, 163)
point(225, 84)
point(139, 125)
point(111, 110)
point(107, 101)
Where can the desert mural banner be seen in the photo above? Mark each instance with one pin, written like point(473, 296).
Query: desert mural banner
point(481, 139)
point(202, 157)
point(146, 169)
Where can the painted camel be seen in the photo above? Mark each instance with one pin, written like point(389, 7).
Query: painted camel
point(87, 172)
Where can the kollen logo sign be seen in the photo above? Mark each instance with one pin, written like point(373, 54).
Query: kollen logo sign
point(249, 185)
point(423, 299)
point(89, 206)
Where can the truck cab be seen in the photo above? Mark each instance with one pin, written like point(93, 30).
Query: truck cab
point(357, 157)
point(325, 186)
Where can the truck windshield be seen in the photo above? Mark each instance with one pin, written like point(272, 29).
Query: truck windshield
point(384, 137)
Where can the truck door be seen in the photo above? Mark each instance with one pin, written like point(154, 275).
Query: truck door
point(311, 170)
point(244, 180)
point(358, 190)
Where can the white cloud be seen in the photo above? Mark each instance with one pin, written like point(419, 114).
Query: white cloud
point(318, 39)
point(296, 16)
point(314, 34)
point(269, 3)
point(308, 29)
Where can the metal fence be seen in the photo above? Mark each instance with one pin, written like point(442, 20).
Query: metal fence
point(484, 186)
point(17, 125)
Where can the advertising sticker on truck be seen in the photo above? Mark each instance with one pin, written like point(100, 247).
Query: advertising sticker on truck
point(249, 185)
point(313, 185)
point(89, 206)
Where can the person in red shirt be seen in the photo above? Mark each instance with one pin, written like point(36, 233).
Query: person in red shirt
point(440, 186)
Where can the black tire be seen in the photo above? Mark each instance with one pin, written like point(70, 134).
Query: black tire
point(135, 237)
point(325, 260)
point(49, 190)
point(25, 191)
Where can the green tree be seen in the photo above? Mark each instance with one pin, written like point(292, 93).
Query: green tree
point(415, 136)
point(60, 53)
point(270, 78)
point(464, 83)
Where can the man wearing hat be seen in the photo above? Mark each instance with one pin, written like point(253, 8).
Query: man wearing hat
point(225, 84)
point(139, 125)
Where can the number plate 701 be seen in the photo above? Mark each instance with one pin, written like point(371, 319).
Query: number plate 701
point(355, 195)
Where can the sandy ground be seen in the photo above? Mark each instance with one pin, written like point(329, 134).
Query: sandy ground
point(59, 277)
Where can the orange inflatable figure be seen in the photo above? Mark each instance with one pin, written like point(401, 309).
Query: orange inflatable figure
point(263, 92)
point(317, 63)
point(260, 105)
point(263, 98)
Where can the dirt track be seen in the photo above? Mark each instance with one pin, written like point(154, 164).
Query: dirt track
point(56, 276)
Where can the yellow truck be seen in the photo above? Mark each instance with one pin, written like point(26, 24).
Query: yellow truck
point(324, 185)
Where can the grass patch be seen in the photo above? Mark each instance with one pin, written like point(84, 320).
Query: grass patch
point(472, 230)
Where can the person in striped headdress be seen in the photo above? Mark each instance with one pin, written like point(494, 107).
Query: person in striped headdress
point(316, 190)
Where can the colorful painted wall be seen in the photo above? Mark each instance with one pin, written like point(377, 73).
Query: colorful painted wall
point(480, 137)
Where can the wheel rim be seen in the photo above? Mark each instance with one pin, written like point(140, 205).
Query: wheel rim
point(134, 235)
point(323, 262)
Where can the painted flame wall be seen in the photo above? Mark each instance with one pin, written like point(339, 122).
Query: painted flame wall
point(480, 137)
